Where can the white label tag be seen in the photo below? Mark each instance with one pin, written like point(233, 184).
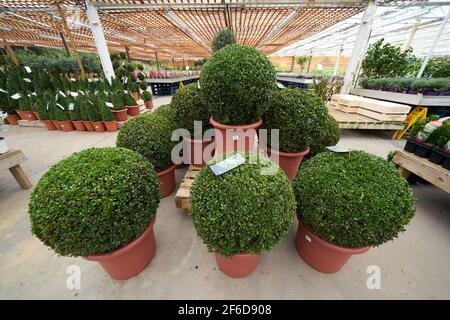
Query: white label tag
point(81, 92)
point(73, 79)
point(47, 105)
point(74, 94)
point(60, 106)
point(125, 80)
point(16, 96)
point(89, 80)
point(62, 93)
point(109, 104)
point(71, 106)
point(125, 91)
point(28, 69)
point(4, 91)
point(91, 102)
point(235, 137)
point(33, 94)
point(27, 80)
point(308, 238)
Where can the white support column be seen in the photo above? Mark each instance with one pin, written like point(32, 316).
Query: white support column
point(338, 59)
point(435, 41)
point(100, 42)
point(359, 48)
point(412, 33)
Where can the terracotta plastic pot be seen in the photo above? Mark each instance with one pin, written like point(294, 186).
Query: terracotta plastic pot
point(121, 115)
point(195, 151)
point(135, 95)
point(130, 260)
point(57, 125)
point(49, 124)
point(111, 126)
point(89, 126)
point(167, 181)
point(66, 125)
point(99, 126)
point(36, 114)
point(79, 125)
point(322, 255)
point(231, 138)
point(12, 119)
point(133, 110)
point(237, 266)
point(288, 161)
point(27, 115)
point(149, 104)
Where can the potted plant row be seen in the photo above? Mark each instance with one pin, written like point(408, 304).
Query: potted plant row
point(426, 86)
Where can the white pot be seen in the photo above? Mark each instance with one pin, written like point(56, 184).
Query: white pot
point(3, 146)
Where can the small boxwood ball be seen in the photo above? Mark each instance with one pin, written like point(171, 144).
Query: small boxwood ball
point(94, 201)
point(237, 83)
point(352, 200)
point(330, 135)
point(246, 210)
point(150, 135)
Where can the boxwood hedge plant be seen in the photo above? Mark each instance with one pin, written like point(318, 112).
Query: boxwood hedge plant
point(329, 136)
point(299, 115)
point(237, 83)
point(242, 210)
point(188, 106)
point(94, 201)
point(352, 200)
point(150, 136)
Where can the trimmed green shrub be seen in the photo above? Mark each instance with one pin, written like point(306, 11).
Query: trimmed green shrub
point(107, 114)
point(222, 38)
point(143, 85)
point(129, 100)
point(329, 136)
point(150, 136)
point(353, 200)
point(75, 114)
point(146, 96)
point(242, 210)
point(94, 201)
point(188, 106)
point(166, 111)
point(237, 83)
point(300, 117)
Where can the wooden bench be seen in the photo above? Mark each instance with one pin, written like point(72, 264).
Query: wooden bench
point(12, 160)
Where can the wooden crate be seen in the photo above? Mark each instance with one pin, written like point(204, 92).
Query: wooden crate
point(184, 191)
point(382, 116)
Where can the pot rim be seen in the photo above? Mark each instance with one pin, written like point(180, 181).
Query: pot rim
point(289, 154)
point(120, 110)
point(166, 171)
point(333, 247)
point(126, 248)
point(112, 121)
point(136, 106)
point(244, 255)
point(219, 125)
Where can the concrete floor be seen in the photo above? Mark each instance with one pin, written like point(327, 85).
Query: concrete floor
point(414, 266)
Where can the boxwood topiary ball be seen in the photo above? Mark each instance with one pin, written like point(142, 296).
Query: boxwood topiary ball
point(245, 210)
point(188, 106)
point(330, 135)
point(352, 200)
point(299, 115)
point(237, 83)
point(94, 201)
point(166, 111)
point(150, 136)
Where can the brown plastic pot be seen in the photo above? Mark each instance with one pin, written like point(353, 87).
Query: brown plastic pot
point(322, 255)
point(237, 266)
point(149, 104)
point(121, 115)
point(27, 115)
point(12, 119)
point(130, 260)
point(49, 124)
point(231, 138)
point(111, 126)
point(99, 126)
point(288, 161)
point(79, 125)
point(89, 126)
point(195, 151)
point(133, 110)
point(57, 125)
point(66, 125)
point(167, 181)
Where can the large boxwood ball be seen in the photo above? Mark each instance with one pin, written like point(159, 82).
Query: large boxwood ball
point(300, 117)
point(237, 83)
point(188, 106)
point(245, 210)
point(150, 135)
point(94, 201)
point(329, 136)
point(352, 200)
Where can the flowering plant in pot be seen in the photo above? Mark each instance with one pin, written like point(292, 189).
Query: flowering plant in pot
point(150, 135)
point(132, 106)
point(188, 106)
point(108, 118)
point(147, 97)
point(299, 116)
point(347, 203)
point(113, 195)
point(237, 83)
point(242, 212)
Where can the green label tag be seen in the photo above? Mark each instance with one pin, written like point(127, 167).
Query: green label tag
point(227, 164)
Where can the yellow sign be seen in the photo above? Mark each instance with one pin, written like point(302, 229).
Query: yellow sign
point(181, 85)
point(413, 116)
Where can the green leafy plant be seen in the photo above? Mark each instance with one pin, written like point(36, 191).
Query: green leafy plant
point(150, 136)
point(353, 200)
point(301, 61)
point(441, 135)
point(94, 201)
point(222, 38)
point(107, 114)
point(75, 114)
point(300, 117)
point(237, 83)
point(143, 85)
point(329, 136)
point(243, 210)
point(438, 67)
point(118, 101)
point(325, 87)
point(167, 112)
point(129, 100)
point(420, 124)
point(146, 96)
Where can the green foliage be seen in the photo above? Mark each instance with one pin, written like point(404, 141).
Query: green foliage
point(441, 135)
point(165, 111)
point(329, 136)
point(94, 201)
point(75, 114)
point(325, 87)
point(129, 100)
point(352, 200)
point(146, 96)
point(431, 84)
point(302, 60)
point(132, 86)
point(188, 106)
point(300, 117)
point(438, 67)
point(143, 85)
point(237, 83)
point(107, 114)
point(200, 62)
point(243, 210)
point(117, 99)
point(24, 103)
point(150, 136)
point(420, 124)
point(222, 38)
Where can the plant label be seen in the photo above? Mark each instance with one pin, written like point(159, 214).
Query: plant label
point(81, 92)
point(27, 80)
point(109, 104)
point(338, 149)
point(228, 164)
point(47, 105)
point(62, 93)
point(308, 238)
point(235, 137)
point(74, 93)
point(71, 106)
point(16, 96)
point(4, 91)
point(28, 69)
point(73, 79)
point(34, 94)
point(62, 108)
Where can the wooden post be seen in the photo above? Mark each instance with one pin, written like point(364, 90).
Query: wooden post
point(71, 39)
point(9, 49)
point(157, 61)
point(66, 47)
point(292, 63)
point(127, 53)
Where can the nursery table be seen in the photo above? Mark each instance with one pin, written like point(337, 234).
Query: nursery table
point(433, 173)
point(12, 160)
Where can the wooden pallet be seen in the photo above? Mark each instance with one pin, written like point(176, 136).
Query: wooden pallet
point(433, 173)
point(182, 195)
point(12, 160)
